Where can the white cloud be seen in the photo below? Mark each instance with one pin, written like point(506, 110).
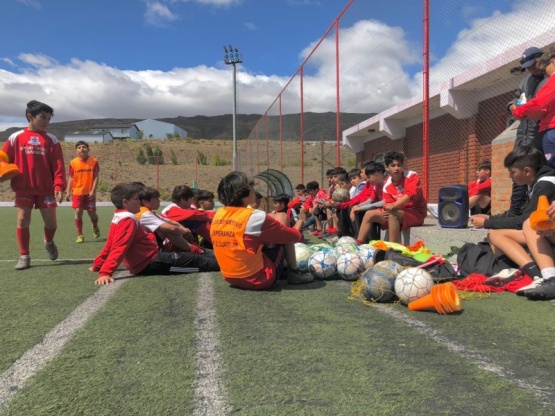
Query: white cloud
point(8, 61)
point(37, 59)
point(32, 3)
point(374, 62)
point(158, 14)
point(251, 26)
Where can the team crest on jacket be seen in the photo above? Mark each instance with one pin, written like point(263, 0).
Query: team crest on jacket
point(35, 141)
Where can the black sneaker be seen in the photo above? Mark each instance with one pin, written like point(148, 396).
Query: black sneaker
point(544, 291)
point(296, 277)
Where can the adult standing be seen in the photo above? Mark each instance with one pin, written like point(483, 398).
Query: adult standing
point(527, 131)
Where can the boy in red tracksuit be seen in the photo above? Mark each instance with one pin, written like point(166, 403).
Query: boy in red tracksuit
point(404, 204)
point(479, 191)
point(128, 242)
point(42, 180)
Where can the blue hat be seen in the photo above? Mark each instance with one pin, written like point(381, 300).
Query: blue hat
point(529, 55)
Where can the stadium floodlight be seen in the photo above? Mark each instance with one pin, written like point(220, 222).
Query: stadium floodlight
point(233, 57)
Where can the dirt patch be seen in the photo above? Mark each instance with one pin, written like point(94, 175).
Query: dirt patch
point(118, 163)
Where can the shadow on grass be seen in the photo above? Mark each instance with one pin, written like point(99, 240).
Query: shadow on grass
point(283, 285)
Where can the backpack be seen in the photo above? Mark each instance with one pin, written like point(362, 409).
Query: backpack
point(478, 258)
point(440, 271)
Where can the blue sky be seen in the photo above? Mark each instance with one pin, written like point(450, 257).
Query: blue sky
point(164, 58)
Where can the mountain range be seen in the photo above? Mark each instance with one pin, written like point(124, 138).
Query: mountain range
point(317, 126)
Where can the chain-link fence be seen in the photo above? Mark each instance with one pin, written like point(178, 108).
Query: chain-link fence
point(369, 70)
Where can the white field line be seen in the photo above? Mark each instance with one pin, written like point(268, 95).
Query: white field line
point(210, 396)
point(35, 359)
point(546, 394)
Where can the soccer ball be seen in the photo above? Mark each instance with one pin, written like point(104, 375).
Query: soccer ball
point(302, 254)
point(346, 239)
point(378, 281)
point(322, 265)
point(340, 195)
point(413, 283)
point(345, 248)
point(320, 247)
point(349, 266)
point(366, 253)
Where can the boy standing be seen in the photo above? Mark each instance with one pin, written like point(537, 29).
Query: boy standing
point(42, 180)
point(249, 244)
point(129, 243)
point(83, 181)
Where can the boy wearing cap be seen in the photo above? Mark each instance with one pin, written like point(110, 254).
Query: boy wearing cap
point(527, 131)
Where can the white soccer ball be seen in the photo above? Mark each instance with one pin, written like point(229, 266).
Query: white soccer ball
point(322, 265)
point(349, 266)
point(302, 254)
point(346, 239)
point(366, 253)
point(412, 284)
point(378, 281)
point(345, 248)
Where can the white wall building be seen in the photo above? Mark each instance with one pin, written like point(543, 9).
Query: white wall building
point(89, 137)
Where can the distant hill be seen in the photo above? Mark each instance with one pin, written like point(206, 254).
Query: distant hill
point(316, 125)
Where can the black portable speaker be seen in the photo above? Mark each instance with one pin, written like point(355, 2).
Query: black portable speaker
point(453, 206)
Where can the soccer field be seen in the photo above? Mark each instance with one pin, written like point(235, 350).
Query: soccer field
point(189, 344)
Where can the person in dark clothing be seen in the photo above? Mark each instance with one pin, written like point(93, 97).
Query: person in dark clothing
point(526, 168)
point(527, 130)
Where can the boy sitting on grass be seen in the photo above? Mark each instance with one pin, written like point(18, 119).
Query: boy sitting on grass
point(250, 245)
point(170, 235)
point(129, 243)
point(281, 202)
point(479, 191)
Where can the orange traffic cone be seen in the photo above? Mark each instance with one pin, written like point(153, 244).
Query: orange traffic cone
point(7, 170)
point(539, 220)
point(444, 299)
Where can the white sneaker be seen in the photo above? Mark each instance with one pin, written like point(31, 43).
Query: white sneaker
point(432, 209)
point(23, 263)
point(534, 284)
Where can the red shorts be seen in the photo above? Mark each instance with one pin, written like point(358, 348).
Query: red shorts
point(412, 218)
point(35, 201)
point(266, 277)
point(84, 202)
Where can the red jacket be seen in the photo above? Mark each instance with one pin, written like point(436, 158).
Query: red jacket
point(541, 107)
point(410, 185)
point(39, 157)
point(480, 188)
point(128, 242)
point(369, 193)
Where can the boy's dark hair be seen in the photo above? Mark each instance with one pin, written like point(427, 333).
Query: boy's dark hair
point(182, 192)
point(312, 185)
point(300, 187)
point(339, 171)
point(35, 107)
point(283, 198)
point(233, 188)
point(148, 192)
point(329, 172)
point(373, 167)
point(80, 143)
point(484, 164)
point(392, 155)
point(354, 173)
point(196, 193)
point(524, 157)
point(205, 195)
point(258, 195)
point(123, 191)
point(343, 177)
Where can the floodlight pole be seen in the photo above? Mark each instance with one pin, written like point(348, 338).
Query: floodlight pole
point(233, 57)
